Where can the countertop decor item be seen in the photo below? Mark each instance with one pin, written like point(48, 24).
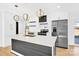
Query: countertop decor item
point(43, 18)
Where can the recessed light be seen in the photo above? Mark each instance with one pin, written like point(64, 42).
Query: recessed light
point(58, 6)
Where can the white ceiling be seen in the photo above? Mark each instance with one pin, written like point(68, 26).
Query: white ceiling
point(71, 8)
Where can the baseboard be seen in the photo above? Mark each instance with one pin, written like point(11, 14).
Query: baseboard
point(62, 47)
point(16, 53)
point(75, 45)
point(5, 46)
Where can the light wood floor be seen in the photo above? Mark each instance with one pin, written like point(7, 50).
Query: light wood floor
point(72, 51)
point(5, 51)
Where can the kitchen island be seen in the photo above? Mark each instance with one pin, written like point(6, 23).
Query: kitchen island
point(40, 42)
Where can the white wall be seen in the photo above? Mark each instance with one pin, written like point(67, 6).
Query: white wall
point(5, 28)
point(52, 14)
point(0, 28)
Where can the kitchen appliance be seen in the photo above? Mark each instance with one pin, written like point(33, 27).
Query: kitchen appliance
point(43, 32)
point(60, 29)
point(43, 18)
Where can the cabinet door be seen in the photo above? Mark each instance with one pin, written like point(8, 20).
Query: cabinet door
point(54, 23)
point(62, 32)
point(62, 27)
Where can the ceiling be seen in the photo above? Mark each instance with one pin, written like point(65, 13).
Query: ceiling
point(71, 8)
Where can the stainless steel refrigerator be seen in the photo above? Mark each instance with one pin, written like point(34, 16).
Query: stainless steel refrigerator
point(60, 29)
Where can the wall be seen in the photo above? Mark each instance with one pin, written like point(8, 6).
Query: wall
point(0, 29)
point(5, 30)
point(52, 14)
point(71, 30)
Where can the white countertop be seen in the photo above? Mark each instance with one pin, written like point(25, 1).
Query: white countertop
point(42, 40)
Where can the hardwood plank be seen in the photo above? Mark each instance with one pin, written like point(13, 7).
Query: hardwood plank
point(6, 51)
point(72, 51)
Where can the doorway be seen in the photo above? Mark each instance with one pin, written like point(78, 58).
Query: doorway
point(76, 31)
point(76, 35)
